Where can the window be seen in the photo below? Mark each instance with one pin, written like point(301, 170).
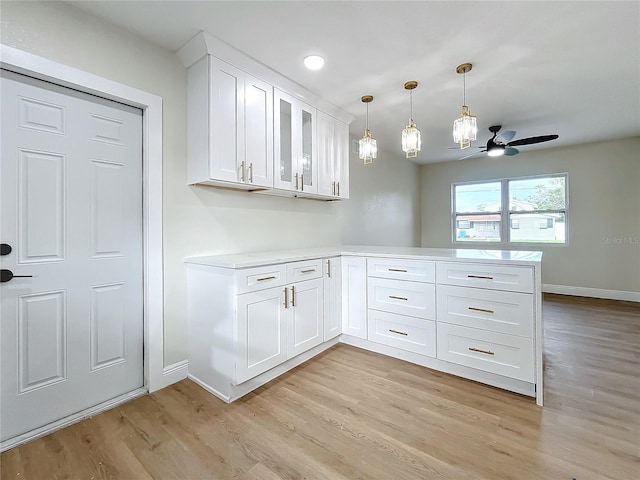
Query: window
point(511, 210)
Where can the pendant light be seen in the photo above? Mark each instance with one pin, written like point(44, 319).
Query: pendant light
point(464, 127)
point(411, 141)
point(367, 147)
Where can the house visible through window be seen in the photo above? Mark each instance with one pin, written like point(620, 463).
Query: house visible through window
point(525, 210)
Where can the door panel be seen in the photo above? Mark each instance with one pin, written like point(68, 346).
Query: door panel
point(306, 324)
point(72, 334)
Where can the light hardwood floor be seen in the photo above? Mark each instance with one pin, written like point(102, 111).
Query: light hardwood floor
point(352, 414)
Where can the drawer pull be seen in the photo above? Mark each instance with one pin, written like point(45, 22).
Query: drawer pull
point(487, 352)
point(485, 310)
point(286, 297)
point(398, 298)
point(266, 278)
point(397, 270)
point(398, 332)
point(308, 271)
point(480, 276)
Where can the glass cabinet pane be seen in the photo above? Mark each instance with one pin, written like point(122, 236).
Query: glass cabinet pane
point(307, 139)
point(286, 153)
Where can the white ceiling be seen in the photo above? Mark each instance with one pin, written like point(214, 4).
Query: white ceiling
point(540, 67)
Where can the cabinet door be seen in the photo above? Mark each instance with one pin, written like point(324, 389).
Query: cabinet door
point(326, 155)
point(354, 296)
point(258, 132)
point(261, 340)
point(295, 165)
point(305, 325)
point(226, 127)
point(341, 161)
point(332, 298)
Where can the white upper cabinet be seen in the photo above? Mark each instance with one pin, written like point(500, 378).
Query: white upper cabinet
point(296, 164)
point(251, 128)
point(230, 126)
point(333, 157)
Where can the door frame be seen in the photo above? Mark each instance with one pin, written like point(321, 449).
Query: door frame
point(19, 61)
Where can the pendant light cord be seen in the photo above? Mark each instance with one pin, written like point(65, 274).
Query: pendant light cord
point(367, 128)
point(411, 103)
point(464, 88)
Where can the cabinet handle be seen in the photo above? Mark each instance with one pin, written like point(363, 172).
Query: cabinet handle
point(397, 270)
point(398, 332)
point(329, 268)
point(485, 310)
point(308, 271)
point(338, 188)
point(286, 297)
point(480, 276)
point(486, 352)
point(398, 298)
point(334, 188)
point(296, 181)
point(293, 296)
point(266, 278)
point(242, 172)
point(251, 172)
point(302, 182)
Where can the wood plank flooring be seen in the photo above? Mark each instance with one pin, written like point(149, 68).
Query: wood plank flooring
point(352, 414)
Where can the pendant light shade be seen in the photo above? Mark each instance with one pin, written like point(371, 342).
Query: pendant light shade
point(465, 126)
point(367, 147)
point(411, 138)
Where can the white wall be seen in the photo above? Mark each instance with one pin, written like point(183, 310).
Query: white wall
point(603, 218)
point(205, 220)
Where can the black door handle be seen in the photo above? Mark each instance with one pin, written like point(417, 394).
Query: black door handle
point(6, 275)
point(5, 249)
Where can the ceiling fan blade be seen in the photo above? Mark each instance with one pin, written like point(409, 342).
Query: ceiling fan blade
point(471, 154)
point(531, 140)
point(510, 151)
point(458, 148)
point(505, 136)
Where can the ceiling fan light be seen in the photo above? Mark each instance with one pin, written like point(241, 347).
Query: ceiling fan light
point(411, 140)
point(496, 151)
point(367, 148)
point(465, 128)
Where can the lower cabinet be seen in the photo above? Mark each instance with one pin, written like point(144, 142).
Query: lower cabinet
point(332, 268)
point(407, 333)
point(304, 316)
point(354, 296)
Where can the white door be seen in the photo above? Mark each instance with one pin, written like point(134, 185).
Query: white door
point(258, 131)
point(354, 296)
point(71, 212)
point(332, 298)
point(305, 327)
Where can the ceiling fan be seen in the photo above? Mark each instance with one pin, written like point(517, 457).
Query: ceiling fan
point(501, 144)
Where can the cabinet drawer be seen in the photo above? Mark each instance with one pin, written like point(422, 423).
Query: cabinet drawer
point(305, 270)
point(414, 270)
point(498, 353)
point(405, 298)
point(497, 311)
point(407, 333)
point(495, 277)
point(259, 278)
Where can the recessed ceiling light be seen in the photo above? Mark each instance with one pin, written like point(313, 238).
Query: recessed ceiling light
point(314, 62)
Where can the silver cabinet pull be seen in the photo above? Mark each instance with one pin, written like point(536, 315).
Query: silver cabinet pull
point(266, 278)
point(485, 310)
point(334, 188)
point(251, 172)
point(286, 297)
point(480, 276)
point(398, 298)
point(293, 296)
point(242, 172)
point(397, 270)
point(308, 271)
point(338, 188)
point(398, 332)
point(486, 352)
point(329, 268)
point(302, 182)
point(296, 181)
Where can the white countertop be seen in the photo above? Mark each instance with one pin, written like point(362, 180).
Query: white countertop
point(258, 259)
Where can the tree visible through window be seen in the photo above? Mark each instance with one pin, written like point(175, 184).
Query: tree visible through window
point(526, 210)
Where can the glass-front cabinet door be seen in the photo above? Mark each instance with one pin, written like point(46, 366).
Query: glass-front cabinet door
point(295, 144)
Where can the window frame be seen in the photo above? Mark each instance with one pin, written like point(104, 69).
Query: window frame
point(505, 213)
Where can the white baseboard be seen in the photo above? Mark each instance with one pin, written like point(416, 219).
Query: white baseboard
point(591, 292)
point(174, 373)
